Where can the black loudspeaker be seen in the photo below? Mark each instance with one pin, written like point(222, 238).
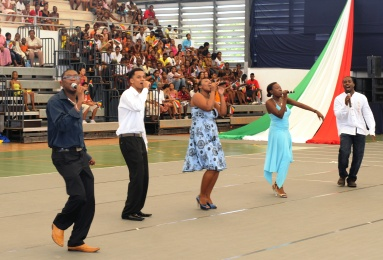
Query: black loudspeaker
point(374, 66)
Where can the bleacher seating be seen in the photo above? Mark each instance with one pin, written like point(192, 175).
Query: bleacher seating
point(44, 82)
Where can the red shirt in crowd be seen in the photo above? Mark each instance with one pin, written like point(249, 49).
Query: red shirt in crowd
point(252, 84)
point(183, 95)
point(149, 14)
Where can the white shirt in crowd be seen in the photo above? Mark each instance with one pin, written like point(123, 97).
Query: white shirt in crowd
point(131, 112)
point(159, 97)
point(139, 36)
point(122, 69)
point(114, 56)
point(192, 92)
point(353, 120)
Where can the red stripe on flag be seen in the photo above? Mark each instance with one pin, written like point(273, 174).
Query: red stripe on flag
point(328, 133)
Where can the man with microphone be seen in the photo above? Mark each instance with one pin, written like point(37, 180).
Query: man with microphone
point(352, 114)
point(70, 157)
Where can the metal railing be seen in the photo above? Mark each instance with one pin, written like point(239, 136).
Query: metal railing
point(14, 109)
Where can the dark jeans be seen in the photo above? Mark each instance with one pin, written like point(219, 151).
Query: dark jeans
point(358, 143)
point(79, 209)
point(136, 157)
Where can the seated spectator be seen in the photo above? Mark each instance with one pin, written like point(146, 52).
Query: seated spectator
point(5, 54)
point(121, 11)
point(159, 33)
point(16, 58)
point(88, 105)
point(226, 72)
point(162, 58)
point(218, 62)
point(170, 61)
point(184, 97)
point(194, 90)
point(187, 43)
point(150, 15)
point(171, 100)
point(34, 48)
point(24, 46)
point(116, 56)
point(46, 21)
point(123, 68)
point(131, 10)
point(18, 50)
point(85, 5)
point(72, 2)
point(8, 8)
point(20, 9)
point(83, 77)
point(148, 69)
point(167, 31)
point(16, 85)
point(253, 91)
point(35, 12)
point(149, 40)
point(55, 18)
point(175, 78)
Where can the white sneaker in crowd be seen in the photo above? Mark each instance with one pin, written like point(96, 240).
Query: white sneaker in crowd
point(92, 121)
point(84, 122)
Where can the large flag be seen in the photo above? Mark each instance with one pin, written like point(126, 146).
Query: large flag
point(318, 90)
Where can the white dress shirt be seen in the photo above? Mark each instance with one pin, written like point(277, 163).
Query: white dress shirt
point(353, 120)
point(131, 112)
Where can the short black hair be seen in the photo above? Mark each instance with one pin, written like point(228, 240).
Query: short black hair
point(133, 71)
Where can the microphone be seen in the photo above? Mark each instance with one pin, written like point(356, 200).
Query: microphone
point(349, 101)
point(74, 85)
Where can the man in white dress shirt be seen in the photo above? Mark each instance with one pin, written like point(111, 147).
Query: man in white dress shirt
point(133, 143)
point(352, 115)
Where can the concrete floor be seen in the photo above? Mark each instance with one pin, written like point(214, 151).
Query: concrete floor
point(318, 220)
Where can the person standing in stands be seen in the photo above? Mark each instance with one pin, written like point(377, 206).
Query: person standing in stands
point(279, 153)
point(205, 149)
point(352, 114)
point(134, 144)
point(70, 157)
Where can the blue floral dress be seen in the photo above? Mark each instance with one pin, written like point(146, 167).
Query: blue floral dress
point(205, 149)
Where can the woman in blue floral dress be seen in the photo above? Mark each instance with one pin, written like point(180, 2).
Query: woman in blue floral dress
point(205, 149)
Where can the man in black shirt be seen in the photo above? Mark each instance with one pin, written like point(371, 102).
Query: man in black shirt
point(69, 156)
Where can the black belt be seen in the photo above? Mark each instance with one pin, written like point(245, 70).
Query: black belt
point(131, 134)
point(72, 149)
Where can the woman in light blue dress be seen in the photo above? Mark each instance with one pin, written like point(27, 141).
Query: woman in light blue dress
point(205, 150)
point(279, 153)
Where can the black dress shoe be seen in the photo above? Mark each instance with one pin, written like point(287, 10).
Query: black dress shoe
point(341, 182)
point(144, 215)
point(134, 217)
point(351, 184)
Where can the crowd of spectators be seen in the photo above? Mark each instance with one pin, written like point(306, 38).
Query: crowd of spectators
point(111, 51)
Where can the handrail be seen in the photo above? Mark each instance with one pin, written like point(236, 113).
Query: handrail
point(182, 30)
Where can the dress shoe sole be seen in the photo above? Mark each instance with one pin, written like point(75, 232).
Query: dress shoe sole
point(134, 218)
point(82, 251)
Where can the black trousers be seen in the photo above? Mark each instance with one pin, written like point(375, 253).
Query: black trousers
point(79, 209)
point(136, 157)
point(358, 143)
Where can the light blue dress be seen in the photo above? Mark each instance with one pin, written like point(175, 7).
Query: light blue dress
point(204, 149)
point(279, 153)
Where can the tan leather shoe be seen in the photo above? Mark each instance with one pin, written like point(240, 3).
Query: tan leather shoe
point(83, 248)
point(57, 235)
